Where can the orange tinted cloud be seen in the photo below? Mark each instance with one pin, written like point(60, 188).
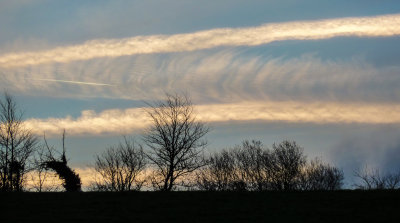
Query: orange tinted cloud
point(386, 25)
point(135, 119)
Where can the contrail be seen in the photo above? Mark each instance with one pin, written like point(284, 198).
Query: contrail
point(69, 82)
point(378, 26)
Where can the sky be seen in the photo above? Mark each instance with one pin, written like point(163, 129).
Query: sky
point(325, 74)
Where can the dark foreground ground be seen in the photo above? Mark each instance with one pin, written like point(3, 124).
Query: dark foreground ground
point(341, 206)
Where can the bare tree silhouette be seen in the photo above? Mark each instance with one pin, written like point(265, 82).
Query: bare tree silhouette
point(219, 174)
point(120, 167)
point(373, 179)
point(245, 167)
point(17, 145)
point(174, 139)
point(254, 163)
point(320, 176)
point(251, 166)
point(71, 180)
point(288, 161)
point(41, 178)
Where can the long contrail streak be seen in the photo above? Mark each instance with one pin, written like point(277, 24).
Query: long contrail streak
point(69, 82)
point(378, 26)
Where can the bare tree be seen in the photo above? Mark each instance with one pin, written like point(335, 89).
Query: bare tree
point(219, 174)
point(40, 175)
point(320, 176)
point(174, 139)
point(250, 166)
point(288, 163)
point(17, 145)
point(254, 164)
point(120, 167)
point(373, 179)
point(253, 167)
point(70, 180)
point(244, 167)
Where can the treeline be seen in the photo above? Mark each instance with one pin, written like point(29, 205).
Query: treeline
point(250, 166)
point(246, 167)
point(171, 156)
point(253, 167)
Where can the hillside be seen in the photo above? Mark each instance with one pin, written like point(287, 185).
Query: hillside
point(340, 206)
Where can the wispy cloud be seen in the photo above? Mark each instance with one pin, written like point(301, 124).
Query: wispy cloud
point(218, 76)
point(136, 119)
point(386, 25)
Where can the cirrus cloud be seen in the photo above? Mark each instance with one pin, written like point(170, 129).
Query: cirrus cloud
point(218, 76)
point(130, 120)
point(378, 26)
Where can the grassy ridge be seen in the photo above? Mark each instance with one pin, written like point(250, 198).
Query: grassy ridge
point(340, 206)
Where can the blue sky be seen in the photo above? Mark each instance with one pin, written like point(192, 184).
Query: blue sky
point(82, 62)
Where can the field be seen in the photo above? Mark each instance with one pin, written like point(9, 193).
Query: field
point(340, 206)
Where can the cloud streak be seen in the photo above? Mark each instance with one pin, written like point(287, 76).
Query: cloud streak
point(131, 120)
point(69, 82)
point(379, 26)
point(221, 76)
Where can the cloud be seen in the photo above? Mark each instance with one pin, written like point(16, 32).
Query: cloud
point(135, 119)
point(69, 82)
point(211, 76)
point(379, 26)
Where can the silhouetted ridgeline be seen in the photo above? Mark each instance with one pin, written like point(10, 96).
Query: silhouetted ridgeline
point(285, 206)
